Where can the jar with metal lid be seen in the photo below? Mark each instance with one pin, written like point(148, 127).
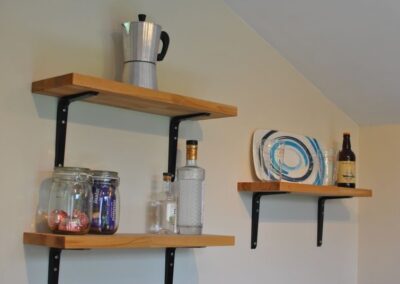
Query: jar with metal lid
point(105, 202)
point(70, 205)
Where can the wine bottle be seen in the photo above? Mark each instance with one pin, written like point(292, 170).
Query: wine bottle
point(347, 164)
point(190, 186)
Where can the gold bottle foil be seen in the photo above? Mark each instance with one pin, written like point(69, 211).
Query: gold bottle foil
point(191, 152)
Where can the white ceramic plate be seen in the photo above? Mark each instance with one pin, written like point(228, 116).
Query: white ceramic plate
point(279, 155)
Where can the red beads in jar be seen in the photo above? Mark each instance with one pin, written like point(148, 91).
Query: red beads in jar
point(70, 205)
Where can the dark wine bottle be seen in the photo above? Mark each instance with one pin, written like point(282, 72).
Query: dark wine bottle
point(347, 164)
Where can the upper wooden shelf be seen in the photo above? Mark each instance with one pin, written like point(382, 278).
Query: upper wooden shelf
point(126, 241)
point(132, 97)
point(302, 189)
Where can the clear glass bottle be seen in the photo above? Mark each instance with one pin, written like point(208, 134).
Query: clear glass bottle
point(191, 199)
point(168, 207)
point(154, 212)
point(70, 204)
point(105, 217)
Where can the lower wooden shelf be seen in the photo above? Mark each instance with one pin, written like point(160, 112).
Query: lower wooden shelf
point(126, 241)
point(57, 243)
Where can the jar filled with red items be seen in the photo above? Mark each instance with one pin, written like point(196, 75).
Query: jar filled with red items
point(70, 205)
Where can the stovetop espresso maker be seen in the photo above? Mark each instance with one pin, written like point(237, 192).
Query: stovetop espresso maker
point(141, 45)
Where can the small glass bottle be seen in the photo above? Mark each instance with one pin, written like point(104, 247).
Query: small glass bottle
point(105, 217)
point(70, 204)
point(168, 207)
point(190, 186)
point(347, 164)
point(154, 212)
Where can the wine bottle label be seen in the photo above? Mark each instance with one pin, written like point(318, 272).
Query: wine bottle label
point(347, 172)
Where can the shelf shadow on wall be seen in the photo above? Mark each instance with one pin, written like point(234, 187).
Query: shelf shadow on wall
point(290, 208)
point(101, 116)
point(83, 266)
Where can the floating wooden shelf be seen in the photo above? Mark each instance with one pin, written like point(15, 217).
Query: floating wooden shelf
point(132, 97)
point(302, 189)
point(126, 241)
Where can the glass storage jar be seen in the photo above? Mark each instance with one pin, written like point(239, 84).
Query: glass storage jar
point(105, 202)
point(70, 205)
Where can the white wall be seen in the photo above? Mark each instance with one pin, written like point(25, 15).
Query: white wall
point(379, 229)
point(213, 55)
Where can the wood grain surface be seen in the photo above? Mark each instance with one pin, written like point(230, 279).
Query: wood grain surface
point(301, 189)
point(125, 241)
point(122, 95)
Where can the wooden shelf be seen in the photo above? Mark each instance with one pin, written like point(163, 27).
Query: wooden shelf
point(301, 189)
point(132, 97)
point(126, 241)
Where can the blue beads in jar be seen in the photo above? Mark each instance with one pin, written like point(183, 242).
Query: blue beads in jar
point(105, 214)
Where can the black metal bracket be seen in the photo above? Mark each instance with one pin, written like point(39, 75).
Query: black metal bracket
point(169, 265)
point(55, 258)
point(255, 212)
point(62, 120)
point(54, 265)
point(321, 209)
point(173, 139)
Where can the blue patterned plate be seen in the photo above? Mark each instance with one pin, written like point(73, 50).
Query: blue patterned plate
point(287, 157)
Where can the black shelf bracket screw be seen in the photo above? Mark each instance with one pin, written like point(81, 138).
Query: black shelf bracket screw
point(255, 213)
point(62, 120)
point(54, 265)
point(173, 139)
point(321, 209)
point(169, 265)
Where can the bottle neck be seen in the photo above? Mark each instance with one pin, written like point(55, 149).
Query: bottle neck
point(191, 162)
point(346, 142)
point(191, 155)
point(167, 186)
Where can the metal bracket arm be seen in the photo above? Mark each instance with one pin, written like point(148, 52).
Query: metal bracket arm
point(255, 212)
point(321, 209)
point(169, 265)
point(173, 139)
point(62, 119)
point(54, 265)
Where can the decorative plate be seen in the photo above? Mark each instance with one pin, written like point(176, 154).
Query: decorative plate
point(287, 157)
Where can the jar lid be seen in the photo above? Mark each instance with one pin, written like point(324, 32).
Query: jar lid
point(104, 175)
point(71, 172)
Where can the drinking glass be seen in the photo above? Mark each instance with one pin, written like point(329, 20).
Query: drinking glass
point(329, 167)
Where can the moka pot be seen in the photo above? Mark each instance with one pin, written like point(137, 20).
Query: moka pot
point(141, 42)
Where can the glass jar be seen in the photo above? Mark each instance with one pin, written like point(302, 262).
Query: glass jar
point(105, 202)
point(70, 205)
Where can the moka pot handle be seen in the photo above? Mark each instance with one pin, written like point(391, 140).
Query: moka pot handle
point(165, 41)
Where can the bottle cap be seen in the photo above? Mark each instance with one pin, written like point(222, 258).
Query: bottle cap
point(191, 142)
point(346, 133)
point(167, 176)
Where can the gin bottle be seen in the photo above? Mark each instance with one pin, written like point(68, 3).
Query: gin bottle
point(168, 207)
point(190, 185)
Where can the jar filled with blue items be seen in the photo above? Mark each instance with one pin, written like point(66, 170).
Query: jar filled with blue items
point(105, 216)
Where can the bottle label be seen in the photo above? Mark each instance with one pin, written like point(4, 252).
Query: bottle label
point(347, 172)
point(171, 213)
point(104, 217)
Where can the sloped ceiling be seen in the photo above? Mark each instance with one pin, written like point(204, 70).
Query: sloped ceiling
point(349, 49)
